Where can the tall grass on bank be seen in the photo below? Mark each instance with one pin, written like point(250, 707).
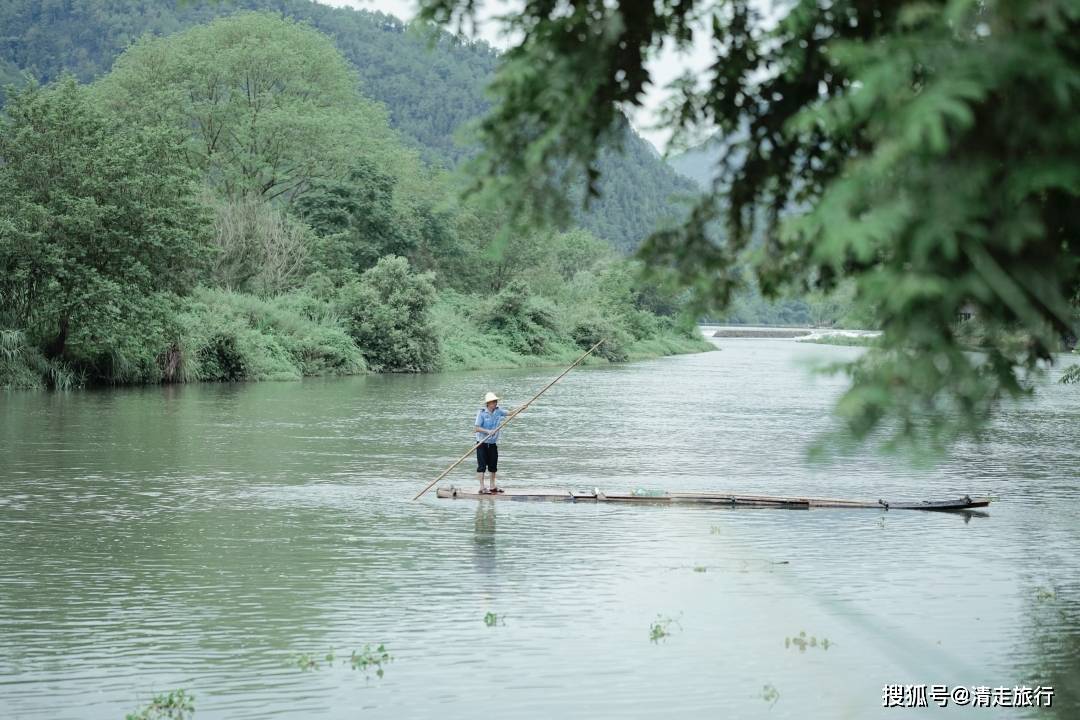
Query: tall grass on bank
point(227, 335)
point(24, 366)
point(222, 336)
point(669, 340)
point(543, 333)
point(374, 323)
point(467, 344)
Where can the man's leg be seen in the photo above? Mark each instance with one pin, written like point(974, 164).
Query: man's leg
point(481, 465)
point(493, 463)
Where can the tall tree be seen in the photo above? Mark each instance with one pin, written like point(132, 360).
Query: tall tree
point(262, 105)
point(360, 210)
point(98, 223)
point(925, 150)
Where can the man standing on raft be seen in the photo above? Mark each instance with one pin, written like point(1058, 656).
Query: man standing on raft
point(487, 452)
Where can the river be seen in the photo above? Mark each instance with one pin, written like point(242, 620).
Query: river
point(206, 536)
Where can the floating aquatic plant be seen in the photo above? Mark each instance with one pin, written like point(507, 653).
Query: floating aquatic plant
point(770, 694)
point(662, 628)
point(370, 658)
point(175, 705)
point(1044, 594)
point(305, 661)
point(366, 659)
point(802, 642)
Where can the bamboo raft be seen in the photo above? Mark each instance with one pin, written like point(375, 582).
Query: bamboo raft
point(965, 502)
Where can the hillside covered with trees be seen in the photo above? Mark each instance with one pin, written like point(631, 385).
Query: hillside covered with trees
point(225, 204)
point(432, 84)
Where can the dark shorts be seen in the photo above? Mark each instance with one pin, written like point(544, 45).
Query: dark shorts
point(487, 458)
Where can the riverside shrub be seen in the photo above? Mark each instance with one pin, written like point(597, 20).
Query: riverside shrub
point(388, 316)
point(525, 321)
point(226, 336)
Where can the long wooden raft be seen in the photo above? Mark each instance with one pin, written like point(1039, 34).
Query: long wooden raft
point(711, 498)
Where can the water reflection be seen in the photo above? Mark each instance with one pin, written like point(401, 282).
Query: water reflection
point(484, 537)
point(1053, 639)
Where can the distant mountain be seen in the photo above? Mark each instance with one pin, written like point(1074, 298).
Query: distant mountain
point(432, 87)
point(699, 163)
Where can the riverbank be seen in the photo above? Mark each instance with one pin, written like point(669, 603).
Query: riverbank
point(269, 353)
point(782, 333)
point(483, 357)
point(529, 332)
point(817, 336)
point(843, 339)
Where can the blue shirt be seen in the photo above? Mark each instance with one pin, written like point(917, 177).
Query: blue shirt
point(489, 421)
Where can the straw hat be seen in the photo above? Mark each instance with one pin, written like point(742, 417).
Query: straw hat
point(489, 397)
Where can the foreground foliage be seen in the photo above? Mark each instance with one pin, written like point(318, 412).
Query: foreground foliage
point(1071, 375)
point(921, 152)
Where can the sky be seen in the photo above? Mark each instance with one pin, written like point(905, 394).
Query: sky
point(663, 69)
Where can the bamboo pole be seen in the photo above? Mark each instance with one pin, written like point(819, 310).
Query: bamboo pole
point(510, 417)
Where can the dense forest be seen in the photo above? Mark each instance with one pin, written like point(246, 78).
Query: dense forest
point(225, 203)
point(432, 84)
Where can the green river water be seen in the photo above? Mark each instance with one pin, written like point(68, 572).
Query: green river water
point(203, 536)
